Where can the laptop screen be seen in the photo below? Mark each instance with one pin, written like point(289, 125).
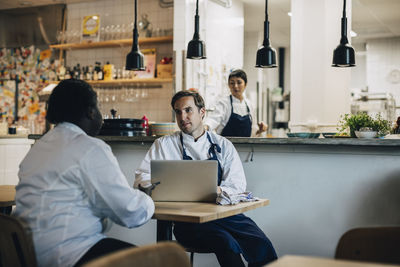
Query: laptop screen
point(184, 180)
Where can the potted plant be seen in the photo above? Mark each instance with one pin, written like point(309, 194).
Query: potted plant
point(362, 122)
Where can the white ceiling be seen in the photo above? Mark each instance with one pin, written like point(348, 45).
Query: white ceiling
point(370, 18)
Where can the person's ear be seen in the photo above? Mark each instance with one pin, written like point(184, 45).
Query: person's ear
point(90, 113)
point(202, 112)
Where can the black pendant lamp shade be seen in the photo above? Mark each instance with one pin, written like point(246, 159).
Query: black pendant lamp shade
point(343, 55)
point(196, 48)
point(135, 59)
point(266, 55)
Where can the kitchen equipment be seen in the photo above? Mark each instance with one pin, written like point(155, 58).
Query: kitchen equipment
point(123, 127)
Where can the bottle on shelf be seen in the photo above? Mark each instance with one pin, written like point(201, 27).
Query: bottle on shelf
point(108, 70)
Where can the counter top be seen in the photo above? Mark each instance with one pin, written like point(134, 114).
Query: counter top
point(269, 141)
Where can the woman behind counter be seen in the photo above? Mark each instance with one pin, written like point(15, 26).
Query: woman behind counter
point(233, 114)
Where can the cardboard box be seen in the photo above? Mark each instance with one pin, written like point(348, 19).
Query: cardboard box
point(164, 70)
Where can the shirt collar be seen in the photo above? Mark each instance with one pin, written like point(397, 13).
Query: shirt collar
point(236, 100)
point(71, 126)
point(189, 138)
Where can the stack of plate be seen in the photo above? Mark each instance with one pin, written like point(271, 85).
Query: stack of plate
point(162, 128)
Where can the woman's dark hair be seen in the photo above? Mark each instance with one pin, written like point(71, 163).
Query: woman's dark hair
point(70, 101)
point(239, 74)
point(198, 100)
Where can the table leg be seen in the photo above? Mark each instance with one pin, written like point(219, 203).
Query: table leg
point(164, 230)
point(6, 210)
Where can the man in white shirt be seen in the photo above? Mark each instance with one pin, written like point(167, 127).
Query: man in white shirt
point(70, 181)
point(228, 237)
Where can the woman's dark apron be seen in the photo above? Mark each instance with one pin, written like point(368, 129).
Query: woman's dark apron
point(238, 125)
point(237, 233)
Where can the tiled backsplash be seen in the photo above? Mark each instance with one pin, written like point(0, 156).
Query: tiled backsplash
point(383, 67)
point(152, 102)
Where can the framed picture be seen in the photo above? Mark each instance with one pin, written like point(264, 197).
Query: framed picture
point(149, 64)
point(91, 28)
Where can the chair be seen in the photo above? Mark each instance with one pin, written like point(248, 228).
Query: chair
point(16, 245)
point(373, 244)
point(163, 254)
point(196, 250)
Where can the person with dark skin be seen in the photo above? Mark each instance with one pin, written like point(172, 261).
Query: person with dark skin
point(70, 182)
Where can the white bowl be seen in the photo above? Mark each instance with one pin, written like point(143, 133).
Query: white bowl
point(369, 134)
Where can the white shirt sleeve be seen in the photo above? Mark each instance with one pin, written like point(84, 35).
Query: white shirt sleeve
point(233, 178)
point(142, 174)
point(254, 126)
point(217, 119)
point(109, 191)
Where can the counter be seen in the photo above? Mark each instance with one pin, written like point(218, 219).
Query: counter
point(318, 188)
point(13, 149)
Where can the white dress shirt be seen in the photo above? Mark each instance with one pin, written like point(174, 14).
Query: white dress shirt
point(218, 118)
point(169, 148)
point(69, 181)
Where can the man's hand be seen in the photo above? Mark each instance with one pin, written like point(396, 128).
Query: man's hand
point(149, 189)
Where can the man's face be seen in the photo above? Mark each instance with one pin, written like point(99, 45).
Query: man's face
point(188, 116)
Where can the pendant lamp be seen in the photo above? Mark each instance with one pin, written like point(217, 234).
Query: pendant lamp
point(266, 55)
point(343, 55)
point(135, 59)
point(196, 48)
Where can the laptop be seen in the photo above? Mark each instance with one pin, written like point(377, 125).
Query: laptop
point(184, 180)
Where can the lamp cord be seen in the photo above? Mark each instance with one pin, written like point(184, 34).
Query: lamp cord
point(344, 8)
point(135, 13)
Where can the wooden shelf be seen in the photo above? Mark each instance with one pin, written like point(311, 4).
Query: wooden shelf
point(129, 81)
point(113, 43)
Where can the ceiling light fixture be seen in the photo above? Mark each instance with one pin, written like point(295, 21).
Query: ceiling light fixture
point(266, 55)
point(135, 59)
point(343, 55)
point(196, 48)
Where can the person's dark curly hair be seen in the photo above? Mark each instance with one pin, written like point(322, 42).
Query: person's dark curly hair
point(198, 99)
point(238, 74)
point(70, 101)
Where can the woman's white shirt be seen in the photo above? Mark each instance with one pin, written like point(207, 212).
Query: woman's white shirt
point(218, 118)
point(69, 182)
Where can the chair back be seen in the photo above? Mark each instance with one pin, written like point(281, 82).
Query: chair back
point(372, 244)
point(16, 244)
point(163, 254)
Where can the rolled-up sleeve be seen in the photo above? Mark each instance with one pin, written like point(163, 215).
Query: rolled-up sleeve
point(109, 191)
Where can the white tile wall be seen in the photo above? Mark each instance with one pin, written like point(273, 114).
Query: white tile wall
point(118, 12)
point(383, 57)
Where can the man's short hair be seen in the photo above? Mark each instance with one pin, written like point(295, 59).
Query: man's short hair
point(239, 74)
point(70, 101)
point(198, 100)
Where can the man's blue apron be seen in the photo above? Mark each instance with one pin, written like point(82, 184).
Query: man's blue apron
point(238, 125)
point(237, 233)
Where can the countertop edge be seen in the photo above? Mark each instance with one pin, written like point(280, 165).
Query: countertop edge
point(267, 141)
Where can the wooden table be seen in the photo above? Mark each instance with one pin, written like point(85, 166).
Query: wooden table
point(196, 212)
point(306, 261)
point(7, 198)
